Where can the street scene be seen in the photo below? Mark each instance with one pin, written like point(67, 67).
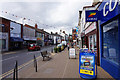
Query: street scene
point(60, 39)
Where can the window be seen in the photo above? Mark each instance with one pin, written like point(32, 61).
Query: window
point(92, 42)
point(110, 41)
point(2, 28)
point(2, 44)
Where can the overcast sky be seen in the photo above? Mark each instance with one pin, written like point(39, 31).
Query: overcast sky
point(57, 14)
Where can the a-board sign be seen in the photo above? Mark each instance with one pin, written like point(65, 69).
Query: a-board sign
point(87, 67)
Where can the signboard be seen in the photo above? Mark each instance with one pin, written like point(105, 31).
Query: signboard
point(91, 28)
point(39, 38)
point(29, 38)
point(107, 9)
point(87, 67)
point(72, 53)
point(91, 15)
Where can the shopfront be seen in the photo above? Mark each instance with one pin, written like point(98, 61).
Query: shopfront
point(90, 32)
point(40, 39)
point(28, 35)
point(110, 37)
point(16, 41)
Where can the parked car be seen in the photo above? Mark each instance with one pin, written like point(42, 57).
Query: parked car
point(33, 47)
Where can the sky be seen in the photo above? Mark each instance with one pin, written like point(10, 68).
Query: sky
point(50, 15)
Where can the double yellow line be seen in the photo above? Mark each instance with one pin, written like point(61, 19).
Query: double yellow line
point(19, 67)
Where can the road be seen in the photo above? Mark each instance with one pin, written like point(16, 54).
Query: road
point(22, 56)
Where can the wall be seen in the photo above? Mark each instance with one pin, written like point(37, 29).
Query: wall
point(6, 32)
point(28, 33)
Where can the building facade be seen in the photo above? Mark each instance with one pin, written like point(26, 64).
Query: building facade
point(16, 36)
point(4, 34)
point(89, 31)
point(109, 27)
point(40, 37)
point(29, 35)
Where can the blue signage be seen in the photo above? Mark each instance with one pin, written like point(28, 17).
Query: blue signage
point(91, 16)
point(108, 9)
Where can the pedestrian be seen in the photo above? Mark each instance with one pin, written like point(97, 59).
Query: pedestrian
point(68, 46)
point(72, 45)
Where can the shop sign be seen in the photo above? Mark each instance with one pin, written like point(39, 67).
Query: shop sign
point(90, 28)
point(91, 15)
point(39, 39)
point(107, 9)
point(111, 7)
point(29, 38)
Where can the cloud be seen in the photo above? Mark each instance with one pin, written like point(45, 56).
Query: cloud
point(57, 14)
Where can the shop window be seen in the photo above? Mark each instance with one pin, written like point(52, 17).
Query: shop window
point(110, 41)
point(94, 42)
point(2, 44)
point(90, 43)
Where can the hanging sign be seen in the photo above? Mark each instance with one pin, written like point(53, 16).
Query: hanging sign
point(91, 15)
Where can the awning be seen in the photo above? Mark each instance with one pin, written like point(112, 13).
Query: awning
point(16, 39)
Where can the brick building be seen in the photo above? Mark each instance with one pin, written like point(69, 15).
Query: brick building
point(4, 34)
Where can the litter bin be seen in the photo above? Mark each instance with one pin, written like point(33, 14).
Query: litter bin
point(87, 65)
point(72, 53)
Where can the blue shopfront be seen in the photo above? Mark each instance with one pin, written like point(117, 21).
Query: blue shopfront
point(109, 26)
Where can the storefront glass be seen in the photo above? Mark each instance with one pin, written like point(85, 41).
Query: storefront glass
point(2, 44)
point(110, 41)
point(92, 42)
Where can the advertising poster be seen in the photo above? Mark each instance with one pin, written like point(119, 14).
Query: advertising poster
point(87, 64)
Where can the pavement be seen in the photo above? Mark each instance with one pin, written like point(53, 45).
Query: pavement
point(59, 66)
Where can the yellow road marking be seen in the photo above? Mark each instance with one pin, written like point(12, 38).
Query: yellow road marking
point(10, 53)
point(19, 67)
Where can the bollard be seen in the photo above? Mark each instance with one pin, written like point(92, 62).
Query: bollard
point(35, 63)
point(15, 73)
point(51, 50)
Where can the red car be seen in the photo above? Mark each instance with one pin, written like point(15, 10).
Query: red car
point(33, 47)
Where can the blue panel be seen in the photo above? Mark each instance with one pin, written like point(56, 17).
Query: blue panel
point(119, 44)
point(110, 67)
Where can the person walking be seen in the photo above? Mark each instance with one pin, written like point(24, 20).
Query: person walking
point(68, 46)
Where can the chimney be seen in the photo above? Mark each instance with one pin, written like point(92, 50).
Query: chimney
point(64, 32)
point(56, 33)
point(60, 30)
point(51, 33)
point(42, 29)
point(95, 2)
point(35, 26)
